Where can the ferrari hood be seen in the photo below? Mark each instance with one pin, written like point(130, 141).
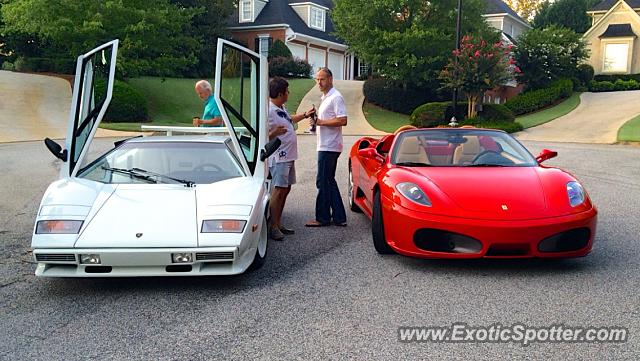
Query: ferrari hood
point(496, 192)
point(143, 216)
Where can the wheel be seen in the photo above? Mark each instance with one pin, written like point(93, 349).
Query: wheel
point(352, 193)
point(377, 227)
point(261, 251)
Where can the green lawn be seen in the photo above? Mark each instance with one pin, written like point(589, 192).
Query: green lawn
point(173, 101)
point(382, 119)
point(549, 114)
point(630, 131)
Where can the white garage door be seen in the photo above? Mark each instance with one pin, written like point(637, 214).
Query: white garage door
point(316, 59)
point(298, 51)
point(336, 64)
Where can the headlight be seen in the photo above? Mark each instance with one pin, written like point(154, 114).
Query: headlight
point(90, 259)
point(181, 257)
point(412, 192)
point(575, 193)
point(58, 227)
point(223, 226)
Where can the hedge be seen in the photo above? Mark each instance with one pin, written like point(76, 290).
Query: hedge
point(127, 104)
point(436, 114)
point(396, 98)
point(507, 126)
point(289, 68)
point(612, 78)
point(533, 100)
point(429, 115)
point(618, 85)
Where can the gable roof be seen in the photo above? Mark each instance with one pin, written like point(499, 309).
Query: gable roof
point(605, 18)
point(280, 12)
point(605, 5)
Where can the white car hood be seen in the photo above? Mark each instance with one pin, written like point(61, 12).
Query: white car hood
point(141, 216)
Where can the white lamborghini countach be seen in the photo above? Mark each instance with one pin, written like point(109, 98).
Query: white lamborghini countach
point(160, 205)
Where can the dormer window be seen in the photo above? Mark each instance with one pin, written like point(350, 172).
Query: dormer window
point(246, 11)
point(316, 18)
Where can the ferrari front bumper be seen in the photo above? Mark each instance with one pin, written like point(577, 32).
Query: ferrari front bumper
point(132, 262)
point(480, 238)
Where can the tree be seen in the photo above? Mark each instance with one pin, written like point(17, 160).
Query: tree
point(570, 14)
point(154, 34)
point(407, 41)
point(280, 49)
point(209, 24)
point(525, 8)
point(476, 67)
point(545, 55)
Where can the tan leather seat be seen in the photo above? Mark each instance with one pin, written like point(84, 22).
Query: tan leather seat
point(466, 151)
point(411, 151)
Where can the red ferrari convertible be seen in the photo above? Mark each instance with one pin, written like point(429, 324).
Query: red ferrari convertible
point(467, 193)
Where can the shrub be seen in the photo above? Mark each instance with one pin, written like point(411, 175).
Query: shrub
point(618, 85)
point(533, 100)
point(127, 104)
point(396, 98)
point(289, 68)
point(496, 112)
point(614, 77)
point(279, 49)
point(585, 73)
point(7, 66)
point(430, 115)
point(507, 126)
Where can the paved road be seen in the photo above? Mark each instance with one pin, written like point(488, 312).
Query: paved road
point(324, 293)
point(34, 107)
point(596, 120)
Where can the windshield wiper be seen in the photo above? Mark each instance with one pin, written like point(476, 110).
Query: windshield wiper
point(413, 164)
point(187, 183)
point(131, 173)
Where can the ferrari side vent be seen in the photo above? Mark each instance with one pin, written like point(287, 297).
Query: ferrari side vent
point(436, 240)
point(214, 256)
point(55, 257)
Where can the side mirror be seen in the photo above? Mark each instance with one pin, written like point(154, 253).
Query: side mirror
point(369, 153)
point(545, 154)
point(56, 149)
point(270, 148)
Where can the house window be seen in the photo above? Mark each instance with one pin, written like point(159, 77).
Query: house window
point(245, 11)
point(263, 44)
point(316, 20)
point(615, 57)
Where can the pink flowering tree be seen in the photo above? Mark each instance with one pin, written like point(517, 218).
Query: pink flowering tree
point(476, 67)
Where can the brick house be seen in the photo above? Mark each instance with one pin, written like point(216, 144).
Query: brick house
point(304, 26)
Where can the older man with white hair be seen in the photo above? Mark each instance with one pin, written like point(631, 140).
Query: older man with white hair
point(211, 116)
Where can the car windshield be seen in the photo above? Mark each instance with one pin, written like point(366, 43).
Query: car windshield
point(459, 148)
point(165, 162)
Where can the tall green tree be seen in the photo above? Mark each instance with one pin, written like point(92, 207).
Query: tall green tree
point(571, 14)
point(407, 41)
point(476, 67)
point(154, 34)
point(209, 23)
point(549, 54)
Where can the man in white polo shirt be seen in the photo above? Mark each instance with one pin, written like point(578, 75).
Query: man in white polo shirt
point(281, 164)
point(332, 116)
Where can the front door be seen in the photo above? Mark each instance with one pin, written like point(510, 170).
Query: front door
point(241, 94)
point(92, 91)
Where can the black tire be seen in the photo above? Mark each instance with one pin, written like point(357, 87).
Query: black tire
point(352, 193)
point(377, 227)
point(259, 259)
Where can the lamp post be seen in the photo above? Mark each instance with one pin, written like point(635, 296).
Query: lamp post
point(455, 59)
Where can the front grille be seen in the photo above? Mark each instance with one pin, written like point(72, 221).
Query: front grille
point(567, 241)
point(55, 257)
point(214, 256)
point(436, 240)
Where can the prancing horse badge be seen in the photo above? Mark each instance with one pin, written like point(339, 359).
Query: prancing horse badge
point(504, 207)
point(138, 235)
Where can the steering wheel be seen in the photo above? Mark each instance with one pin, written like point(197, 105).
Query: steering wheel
point(201, 167)
point(484, 153)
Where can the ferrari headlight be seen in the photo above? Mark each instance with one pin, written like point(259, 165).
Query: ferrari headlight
point(223, 226)
point(412, 192)
point(58, 227)
point(575, 193)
